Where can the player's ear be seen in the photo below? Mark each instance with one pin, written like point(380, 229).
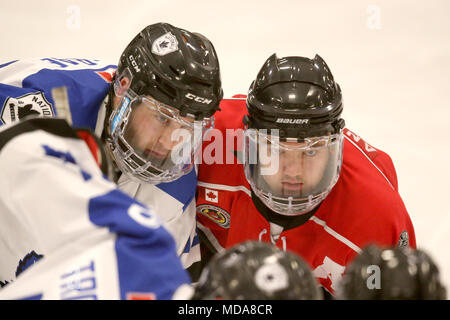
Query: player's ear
point(121, 85)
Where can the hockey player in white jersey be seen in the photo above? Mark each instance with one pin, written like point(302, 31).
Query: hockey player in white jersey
point(167, 79)
point(74, 234)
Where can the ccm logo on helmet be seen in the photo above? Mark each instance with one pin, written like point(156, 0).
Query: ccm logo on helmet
point(134, 64)
point(197, 98)
point(292, 121)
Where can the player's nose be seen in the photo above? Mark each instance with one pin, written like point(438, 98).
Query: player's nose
point(292, 165)
point(170, 137)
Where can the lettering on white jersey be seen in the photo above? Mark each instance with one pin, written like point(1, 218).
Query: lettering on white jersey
point(79, 284)
point(143, 216)
point(71, 64)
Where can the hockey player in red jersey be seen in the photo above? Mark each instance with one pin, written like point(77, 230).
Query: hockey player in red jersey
point(299, 179)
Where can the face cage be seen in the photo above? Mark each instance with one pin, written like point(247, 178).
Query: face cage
point(138, 168)
point(288, 207)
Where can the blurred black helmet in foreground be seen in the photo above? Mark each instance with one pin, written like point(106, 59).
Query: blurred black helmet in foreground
point(391, 273)
point(257, 271)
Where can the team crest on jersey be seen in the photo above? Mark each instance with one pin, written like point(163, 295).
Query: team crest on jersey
point(404, 239)
point(216, 214)
point(24, 263)
point(30, 259)
point(30, 104)
point(165, 44)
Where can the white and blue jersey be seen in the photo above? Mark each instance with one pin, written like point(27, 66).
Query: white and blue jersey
point(83, 237)
point(25, 89)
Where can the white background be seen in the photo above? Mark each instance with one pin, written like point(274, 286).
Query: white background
point(391, 58)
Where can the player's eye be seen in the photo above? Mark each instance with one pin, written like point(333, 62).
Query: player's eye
point(310, 153)
point(162, 119)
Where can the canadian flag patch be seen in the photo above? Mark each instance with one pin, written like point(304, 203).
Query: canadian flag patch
point(212, 195)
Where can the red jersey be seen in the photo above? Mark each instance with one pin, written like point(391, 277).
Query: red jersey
point(364, 207)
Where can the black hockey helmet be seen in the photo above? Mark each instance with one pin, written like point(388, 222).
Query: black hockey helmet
point(404, 273)
point(257, 271)
point(171, 73)
point(294, 105)
point(296, 95)
point(176, 67)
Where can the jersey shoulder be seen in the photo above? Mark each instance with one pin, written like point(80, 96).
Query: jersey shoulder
point(231, 113)
point(364, 206)
point(358, 150)
point(26, 88)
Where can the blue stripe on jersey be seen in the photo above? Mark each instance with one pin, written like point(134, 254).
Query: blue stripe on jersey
point(146, 257)
point(189, 245)
point(11, 91)
point(34, 297)
point(182, 189)
point(196, 239)
point(7, 64)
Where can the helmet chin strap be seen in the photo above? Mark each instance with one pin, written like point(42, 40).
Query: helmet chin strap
point(116, 172)
point(106, 137)
point(109, 109)
point(287, 222)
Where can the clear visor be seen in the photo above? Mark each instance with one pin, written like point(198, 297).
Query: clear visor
point(153, 142)
point(291, 177)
